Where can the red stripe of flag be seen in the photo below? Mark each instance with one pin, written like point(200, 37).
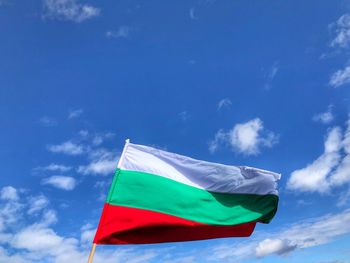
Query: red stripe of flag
point(126, 225)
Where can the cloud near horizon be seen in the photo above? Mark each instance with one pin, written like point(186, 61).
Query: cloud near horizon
point(303, 234)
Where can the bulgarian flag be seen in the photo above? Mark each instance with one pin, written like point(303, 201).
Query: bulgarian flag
point(158, 196)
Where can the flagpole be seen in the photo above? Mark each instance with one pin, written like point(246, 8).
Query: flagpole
point(93, 248)
point(92, 253)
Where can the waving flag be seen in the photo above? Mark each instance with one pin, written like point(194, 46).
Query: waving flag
point(158, 196)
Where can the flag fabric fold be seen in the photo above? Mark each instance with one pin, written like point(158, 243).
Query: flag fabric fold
point(158, 196)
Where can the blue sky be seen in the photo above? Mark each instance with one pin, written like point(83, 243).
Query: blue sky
point(263, 84)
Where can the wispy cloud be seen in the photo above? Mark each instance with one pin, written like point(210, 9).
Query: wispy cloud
point(343, 198)
point(340, 77)
point(102, 162)
point(98, 139)
point(271, 74)
point(48, 121)
point(324, 117)
point(121, 32)
point(330, 169)
point(246, 138)
point(59, 181)
point(224, 103)
point(37, 203)
point(320, 230)
point(69, 10)
point(219, 138)
point(342, 32)
point(83, 133)
point(53, 167)
point(67, 147)
point(73, 114)
point(341, 40)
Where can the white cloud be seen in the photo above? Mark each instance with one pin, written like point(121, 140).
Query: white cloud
point(8, 193)
point(102, 162)
point(122, 32)
point(59, 181)
point(26, 242)
point(41, 239)
point(329, 170)
point(324, 117)
point(246, 138)
point(342, 30)
point(224, 103)
point(340, 77)
point(273, 246)
point(53, 167)
point(320, 230)
point(73, 114)
point(69, 10)
point(46, 244)
point(37, 203)
point(314, 176)
point(36, 241)
point(67, 147)
point(47, 121)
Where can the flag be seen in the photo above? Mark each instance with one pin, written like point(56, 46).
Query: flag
point(157, 196)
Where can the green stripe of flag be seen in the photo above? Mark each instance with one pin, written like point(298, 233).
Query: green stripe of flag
point(152, 192)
